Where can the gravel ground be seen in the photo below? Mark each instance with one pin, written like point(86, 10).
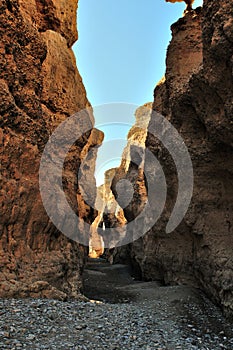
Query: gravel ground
point(157, 318)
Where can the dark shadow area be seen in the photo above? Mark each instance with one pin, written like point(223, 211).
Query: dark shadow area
point(102, 281)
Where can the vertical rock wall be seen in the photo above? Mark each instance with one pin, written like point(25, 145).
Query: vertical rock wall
point(201, 110)
point(196, 97)
point(40, 87)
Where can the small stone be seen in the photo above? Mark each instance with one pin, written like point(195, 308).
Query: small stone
point(31, 337)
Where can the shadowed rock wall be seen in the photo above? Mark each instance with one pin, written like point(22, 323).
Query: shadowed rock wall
point(196, 96)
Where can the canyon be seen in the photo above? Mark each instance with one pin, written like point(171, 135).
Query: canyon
point(41, 87)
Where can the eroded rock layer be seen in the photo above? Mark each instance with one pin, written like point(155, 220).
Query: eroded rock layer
point(40, 87)
point(196, 97)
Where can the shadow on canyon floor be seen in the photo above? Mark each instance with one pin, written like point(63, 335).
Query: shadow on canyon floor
point(185, 305)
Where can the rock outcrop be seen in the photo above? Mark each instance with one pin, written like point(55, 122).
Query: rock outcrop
point(40, 88)
point(110, 216)
point(196, 97)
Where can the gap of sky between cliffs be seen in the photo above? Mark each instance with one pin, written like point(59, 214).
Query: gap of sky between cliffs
point(121, 55)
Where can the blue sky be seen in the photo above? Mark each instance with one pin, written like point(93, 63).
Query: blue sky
point(121, 52)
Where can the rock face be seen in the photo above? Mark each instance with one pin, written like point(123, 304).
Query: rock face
point(110, 215)
point(196, 97)
point(40, 88)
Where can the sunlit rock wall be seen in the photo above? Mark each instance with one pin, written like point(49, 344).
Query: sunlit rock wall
point(40, 88)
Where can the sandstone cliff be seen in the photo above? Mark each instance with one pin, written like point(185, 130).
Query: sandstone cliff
point(40, 88)
point(196, 97)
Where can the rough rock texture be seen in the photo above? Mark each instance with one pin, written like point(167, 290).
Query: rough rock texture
point(132, 198)
point(40, 88)
point(196, 96)
point(110, 216)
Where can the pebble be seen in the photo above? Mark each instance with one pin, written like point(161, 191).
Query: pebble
point(47, 324)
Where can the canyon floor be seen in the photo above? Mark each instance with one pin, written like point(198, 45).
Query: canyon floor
point(122, 314)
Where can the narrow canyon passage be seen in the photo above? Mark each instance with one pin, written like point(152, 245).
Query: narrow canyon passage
point(52, 294)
